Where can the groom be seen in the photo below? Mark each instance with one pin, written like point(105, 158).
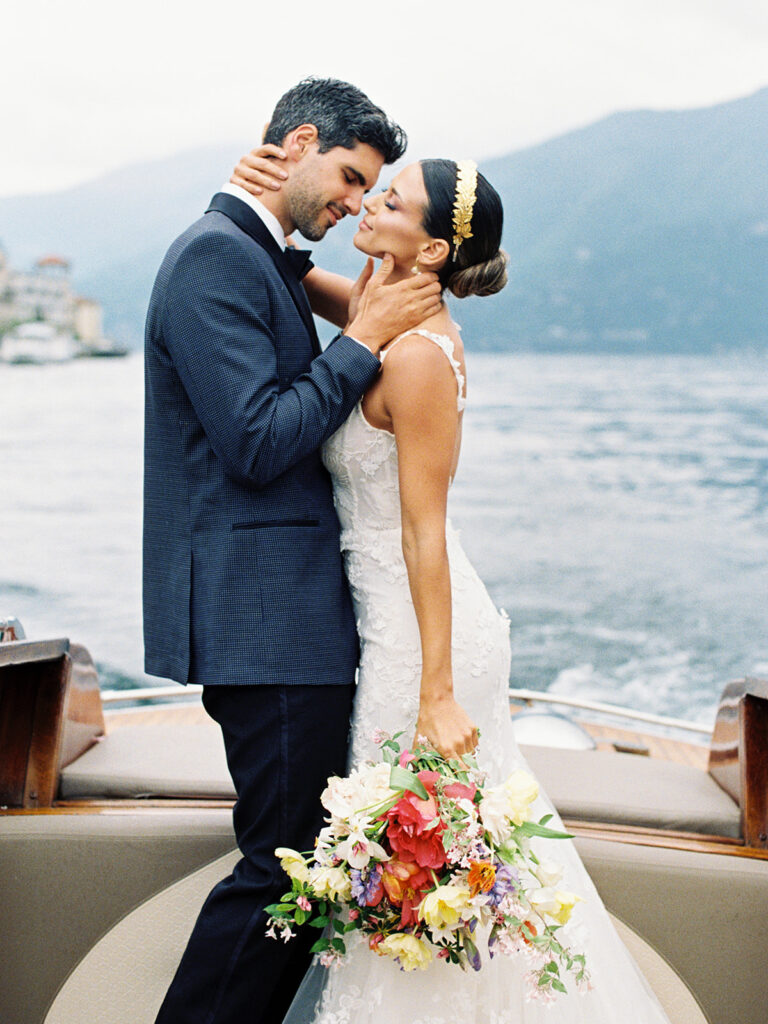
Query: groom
point(244, 589)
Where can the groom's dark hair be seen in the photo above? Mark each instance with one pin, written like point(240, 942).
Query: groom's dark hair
point(342, 114)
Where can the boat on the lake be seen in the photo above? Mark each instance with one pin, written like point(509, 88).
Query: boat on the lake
point(115, 822)
point(37, 343)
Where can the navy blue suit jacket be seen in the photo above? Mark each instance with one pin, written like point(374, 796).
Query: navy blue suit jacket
point(243, 578)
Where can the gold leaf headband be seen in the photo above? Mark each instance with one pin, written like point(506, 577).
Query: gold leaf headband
point(464, 203)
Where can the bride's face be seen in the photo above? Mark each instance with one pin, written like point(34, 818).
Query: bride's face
point(393, 219)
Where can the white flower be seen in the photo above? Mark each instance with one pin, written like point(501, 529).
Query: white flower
point(339, 797)
point(363, 788)
point(549, 873)
point(494, 813)
point(508, 804)
point(522, 789)
point(357, 849)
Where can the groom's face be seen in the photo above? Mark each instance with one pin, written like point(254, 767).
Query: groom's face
point(325, 187)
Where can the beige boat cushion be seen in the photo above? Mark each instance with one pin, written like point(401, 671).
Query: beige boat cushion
point(628, 789)
point(189, 761)
point(67, 878)
point(125, 976)
point(138, 761)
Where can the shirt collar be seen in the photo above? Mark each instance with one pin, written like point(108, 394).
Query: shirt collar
point(271, 223)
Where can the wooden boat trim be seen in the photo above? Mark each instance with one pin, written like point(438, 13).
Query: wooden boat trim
point(690, 841)
point(118, 807)
point(607, 831)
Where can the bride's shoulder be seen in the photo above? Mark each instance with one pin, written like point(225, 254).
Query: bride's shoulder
point(420, 366)
point(431, 336)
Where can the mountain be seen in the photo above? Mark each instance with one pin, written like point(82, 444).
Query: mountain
point(646, 231)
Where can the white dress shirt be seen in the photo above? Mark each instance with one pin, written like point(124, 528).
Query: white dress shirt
point(270, 221)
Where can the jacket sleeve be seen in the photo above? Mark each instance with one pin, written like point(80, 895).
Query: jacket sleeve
point(216, 325)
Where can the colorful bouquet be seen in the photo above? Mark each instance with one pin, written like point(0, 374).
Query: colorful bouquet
point(428, 862)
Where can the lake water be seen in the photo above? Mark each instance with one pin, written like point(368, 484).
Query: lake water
point(616, 506)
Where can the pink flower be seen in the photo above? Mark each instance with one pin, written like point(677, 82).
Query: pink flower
point(406, 757)
point(415, 831)
point(303, 903)
point(354, 914)
point(460, 791)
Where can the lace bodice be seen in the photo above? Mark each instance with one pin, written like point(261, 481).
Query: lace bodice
point(362, 459)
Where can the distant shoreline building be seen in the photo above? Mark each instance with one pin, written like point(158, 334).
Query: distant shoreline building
point(39, 310)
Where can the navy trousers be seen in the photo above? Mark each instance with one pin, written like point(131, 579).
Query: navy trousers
point(282, 743)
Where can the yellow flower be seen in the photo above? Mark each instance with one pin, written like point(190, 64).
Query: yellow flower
point(521, 790)
point(567, 901)
point(553, 904)
point(292, 863)
point(443, 907)
point(410, 952)
point(331, 882)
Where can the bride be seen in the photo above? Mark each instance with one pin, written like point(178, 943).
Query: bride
point(435, 653)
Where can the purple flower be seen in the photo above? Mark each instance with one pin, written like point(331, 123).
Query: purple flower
point(366, 883)
point(506, 882)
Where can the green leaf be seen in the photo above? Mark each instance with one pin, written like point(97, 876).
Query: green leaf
point(319, 922)
point(301, 916)
point(338, 944)
point(338, 926)
point(559, 986)
point(530, 828)
point(401, 778)
point(320, 946)
point(276, 910)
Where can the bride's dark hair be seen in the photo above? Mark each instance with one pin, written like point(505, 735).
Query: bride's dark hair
point(480, 266)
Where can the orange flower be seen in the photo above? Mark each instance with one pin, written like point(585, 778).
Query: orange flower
point(405, 884)
point(482, 875)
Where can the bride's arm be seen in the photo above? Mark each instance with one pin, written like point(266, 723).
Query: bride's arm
point(419, 395)
point(329, 294)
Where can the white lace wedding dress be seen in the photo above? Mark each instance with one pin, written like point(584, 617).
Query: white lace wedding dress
point(368, 989)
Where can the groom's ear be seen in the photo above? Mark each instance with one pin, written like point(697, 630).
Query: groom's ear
point(297, 143)
point(433, 254)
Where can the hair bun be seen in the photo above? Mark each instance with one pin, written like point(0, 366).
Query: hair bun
point(481, 278)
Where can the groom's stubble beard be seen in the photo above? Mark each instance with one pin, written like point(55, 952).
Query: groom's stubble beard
point(306, 207)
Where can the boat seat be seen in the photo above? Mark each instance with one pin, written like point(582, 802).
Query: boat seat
point(188, 761)
point(67, 878)
point(125, 975)
point(624, 789)
point(136, 761)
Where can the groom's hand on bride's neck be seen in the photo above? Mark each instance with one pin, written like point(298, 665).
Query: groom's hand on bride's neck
point(387, 310)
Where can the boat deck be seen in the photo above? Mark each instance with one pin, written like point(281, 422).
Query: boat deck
point(607, 736)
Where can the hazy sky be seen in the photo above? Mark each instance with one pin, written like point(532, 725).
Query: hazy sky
point(89, 86)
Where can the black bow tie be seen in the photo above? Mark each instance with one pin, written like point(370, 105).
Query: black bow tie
point(298, 260)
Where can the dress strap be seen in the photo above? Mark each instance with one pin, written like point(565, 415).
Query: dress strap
point(444, 343)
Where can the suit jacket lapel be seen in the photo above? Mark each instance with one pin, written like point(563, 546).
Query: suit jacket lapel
point(252, 224)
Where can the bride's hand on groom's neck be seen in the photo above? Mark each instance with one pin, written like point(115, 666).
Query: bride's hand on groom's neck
point(260, 169)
